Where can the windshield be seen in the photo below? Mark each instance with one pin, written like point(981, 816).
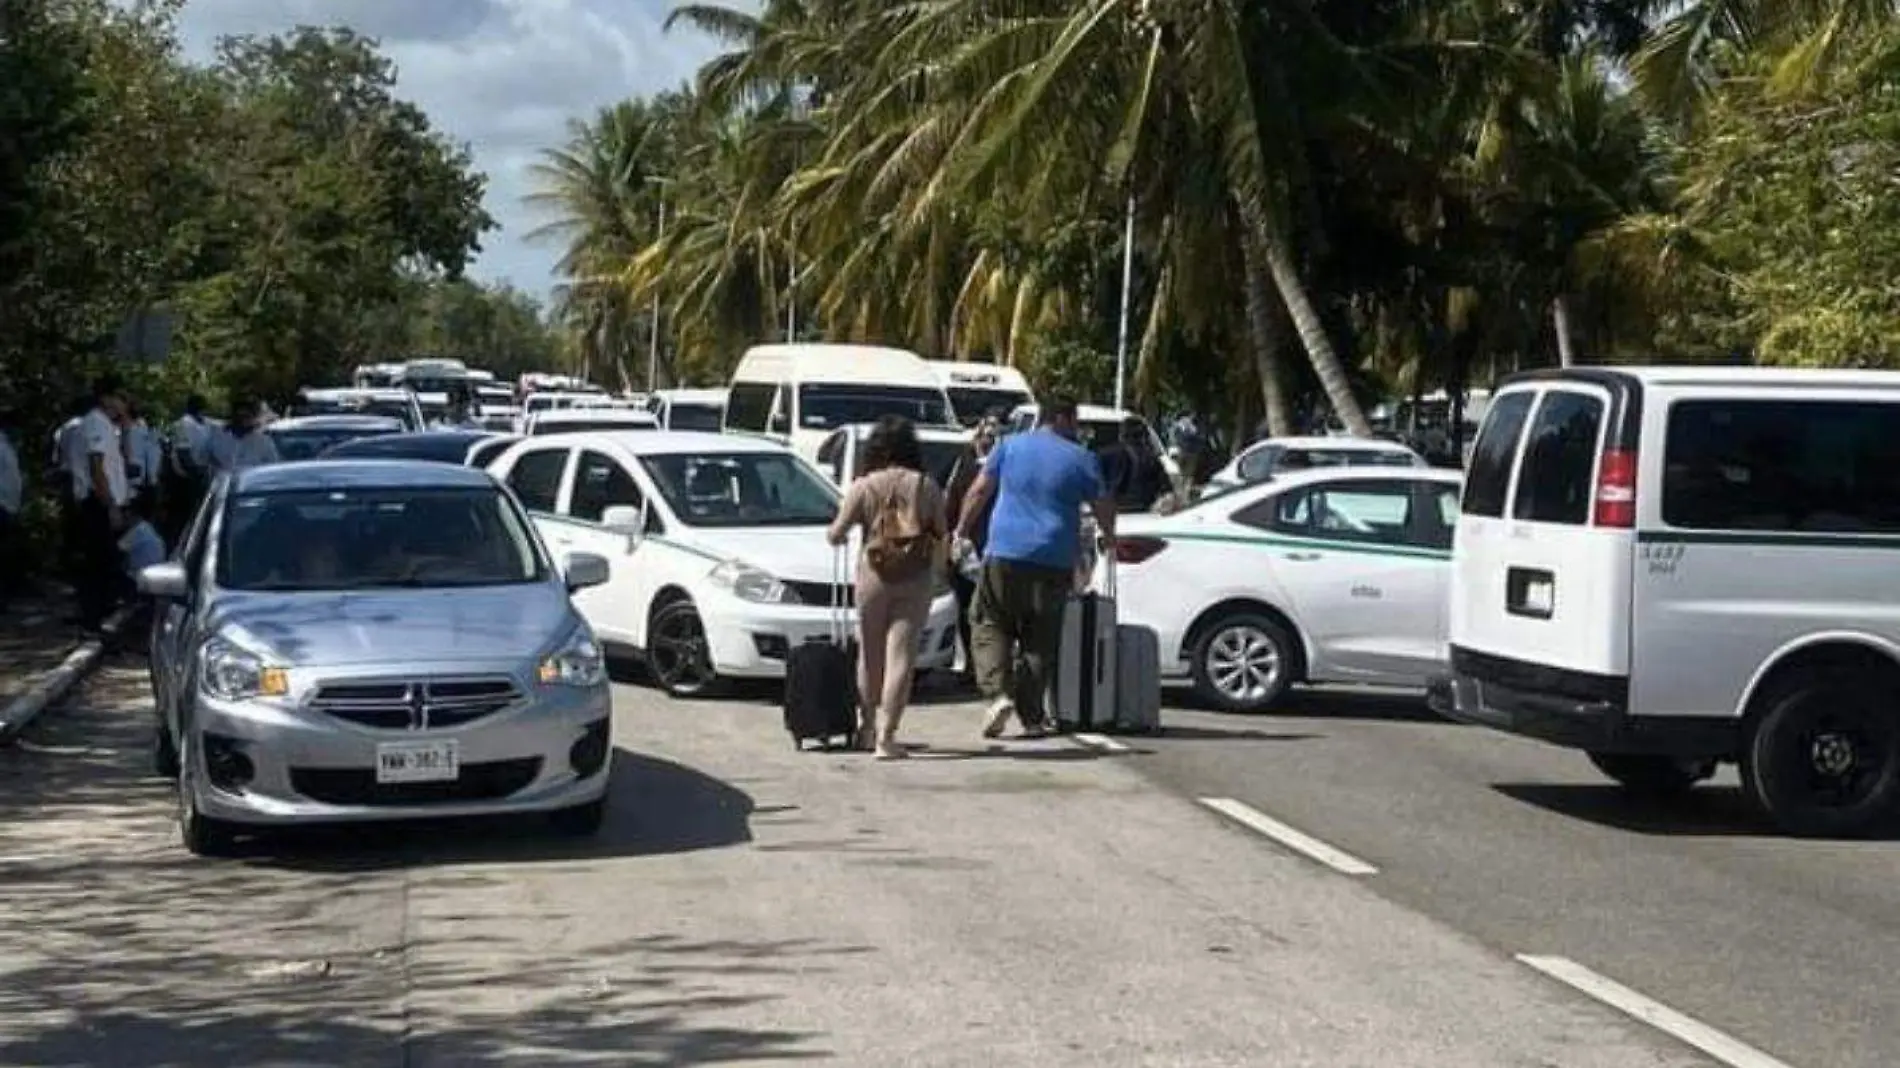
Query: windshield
point(389, 409)
point(972, 402)
point(1263, 462)
point(575, 426)
point(939, 458)
point(824, 405)
point(307, 444)
point(334, 539)
point(695, 416)
point(434, 383)
point(447, 448)
point(744, 489)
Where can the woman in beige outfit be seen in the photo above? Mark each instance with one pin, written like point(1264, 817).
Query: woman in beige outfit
point(891, 613)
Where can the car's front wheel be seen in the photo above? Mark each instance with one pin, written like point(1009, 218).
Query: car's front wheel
point(202, 835)
point(1244, 662)
point(678, 652)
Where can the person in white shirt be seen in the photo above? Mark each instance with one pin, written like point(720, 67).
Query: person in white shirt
point(143, 459)
point(241, 444)
point(100, 492)
point(11, 490)
point(185, 470)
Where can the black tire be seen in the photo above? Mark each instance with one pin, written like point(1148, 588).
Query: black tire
point(1649, 776)
point(164, 753)
point(202, 835)
point(1823, 760)
point(677, 652)
point(1246, 642)
point(580, 821)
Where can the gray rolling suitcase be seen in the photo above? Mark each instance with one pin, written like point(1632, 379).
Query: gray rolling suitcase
point(1108, 676)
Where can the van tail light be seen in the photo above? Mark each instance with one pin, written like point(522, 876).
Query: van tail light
point(1133, 550)
point(1616, 490)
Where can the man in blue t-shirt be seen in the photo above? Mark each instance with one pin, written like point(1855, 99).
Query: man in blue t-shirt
point(1040, 481)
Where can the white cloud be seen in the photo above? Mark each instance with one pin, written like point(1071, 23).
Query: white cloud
point(502, 75)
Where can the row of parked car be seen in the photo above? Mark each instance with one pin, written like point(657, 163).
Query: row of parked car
point(1668, 569)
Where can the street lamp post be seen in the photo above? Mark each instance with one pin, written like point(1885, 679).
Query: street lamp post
point(1128, 278)
point(653, 324)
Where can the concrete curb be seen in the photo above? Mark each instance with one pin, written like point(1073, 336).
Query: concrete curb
point(53, 686)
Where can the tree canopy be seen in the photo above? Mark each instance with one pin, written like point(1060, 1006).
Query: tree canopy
point(1331, 201)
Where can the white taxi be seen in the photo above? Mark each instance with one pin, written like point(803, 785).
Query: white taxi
point(716, 544)
point(1325, 576)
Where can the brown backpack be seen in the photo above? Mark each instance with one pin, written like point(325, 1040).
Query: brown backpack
point(898, 548)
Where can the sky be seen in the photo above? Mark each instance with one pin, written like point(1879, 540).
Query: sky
point(502, 76)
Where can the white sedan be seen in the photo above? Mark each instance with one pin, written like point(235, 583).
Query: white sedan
point(1268, 459)
point(1332, 575)
point(716, 544)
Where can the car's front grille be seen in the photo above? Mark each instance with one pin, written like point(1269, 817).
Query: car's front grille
point(490, 781)
point(415, 704)
point(822, 594)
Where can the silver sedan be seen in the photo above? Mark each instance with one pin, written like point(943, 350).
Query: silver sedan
point(368, 640)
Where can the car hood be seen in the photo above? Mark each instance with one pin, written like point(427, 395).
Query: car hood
point(408, 627)
point(799, 554)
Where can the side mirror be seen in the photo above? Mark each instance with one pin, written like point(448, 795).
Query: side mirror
point(585, 571)
point(166, 581)
point(624, 519)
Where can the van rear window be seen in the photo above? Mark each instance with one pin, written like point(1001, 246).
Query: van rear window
point(1488, 479)
point(1822, 467)
point(1560, 460)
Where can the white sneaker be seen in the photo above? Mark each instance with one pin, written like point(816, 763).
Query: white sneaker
point(998, 717)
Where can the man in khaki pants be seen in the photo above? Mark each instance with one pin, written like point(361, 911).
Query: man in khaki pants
point(1040, 482)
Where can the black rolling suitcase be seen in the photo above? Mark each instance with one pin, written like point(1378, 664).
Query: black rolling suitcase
point(821, 677)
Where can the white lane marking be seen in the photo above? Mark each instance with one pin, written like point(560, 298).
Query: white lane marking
point(1298, 841)
point(1100, 741)
point(1729, 1051)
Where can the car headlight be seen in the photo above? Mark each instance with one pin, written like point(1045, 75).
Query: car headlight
point(748, 583)
point(233, 673)
point(578, 661)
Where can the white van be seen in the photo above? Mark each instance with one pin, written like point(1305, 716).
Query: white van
point(800, 393)
point(978, 388)
point(1671, 568)
point(688, 409)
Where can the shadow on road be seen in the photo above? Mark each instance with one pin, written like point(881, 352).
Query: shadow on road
point(123, 950)
point(654, 807)
point(1707, 811)
point(1338, 703)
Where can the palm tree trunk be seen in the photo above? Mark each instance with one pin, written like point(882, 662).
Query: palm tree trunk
point(1319, 349)
point(1266, 342)
point(1560, 320)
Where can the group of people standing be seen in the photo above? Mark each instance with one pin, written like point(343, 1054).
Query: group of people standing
point(127, 492)
point(1015, 507)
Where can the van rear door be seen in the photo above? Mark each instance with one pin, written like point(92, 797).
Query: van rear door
point(1541, 571)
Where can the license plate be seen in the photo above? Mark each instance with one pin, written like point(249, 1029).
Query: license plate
point(417, 762)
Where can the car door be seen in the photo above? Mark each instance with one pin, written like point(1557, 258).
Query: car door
point(601, 482)
point(171, 642)
point(538, 477)
point(1367, 595)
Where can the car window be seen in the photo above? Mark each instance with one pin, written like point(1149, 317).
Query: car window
point(197, 540)
point(748, 489)
point(484, 454)
point(600, 483)
point(1257, 465)
point(536, 478)
point(371, 537)
point(1560, 459)
point(1783, 465)
point(1376, 512)
point(1488, 478)
point(822, 405)
point(1438, 519)
point(695, 417)
point(749, 405)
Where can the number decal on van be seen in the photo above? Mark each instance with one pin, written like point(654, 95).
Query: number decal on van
point(1662, 557)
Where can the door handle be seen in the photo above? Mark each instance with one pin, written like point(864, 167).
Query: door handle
point(1302, 557)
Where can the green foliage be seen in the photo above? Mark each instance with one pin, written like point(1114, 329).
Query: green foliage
point(1793, 200)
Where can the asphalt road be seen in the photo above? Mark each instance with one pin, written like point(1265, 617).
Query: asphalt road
point(1790, 946)
point(1033, 903)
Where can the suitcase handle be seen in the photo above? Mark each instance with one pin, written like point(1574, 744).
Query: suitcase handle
point(840, 574)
